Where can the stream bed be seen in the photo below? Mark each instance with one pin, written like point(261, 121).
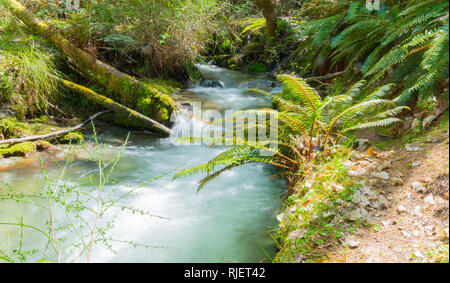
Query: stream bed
point(228, 221)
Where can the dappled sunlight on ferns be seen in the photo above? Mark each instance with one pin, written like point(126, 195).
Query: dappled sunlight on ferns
point(405, 43)
point(307, 132)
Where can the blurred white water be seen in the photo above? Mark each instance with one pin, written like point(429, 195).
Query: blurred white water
point(228, 221)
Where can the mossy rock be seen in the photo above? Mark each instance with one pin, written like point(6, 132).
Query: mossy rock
point(72, 137)
point(21, 149)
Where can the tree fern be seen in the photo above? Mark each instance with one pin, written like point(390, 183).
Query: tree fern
point(312, 123)
point(382, 42)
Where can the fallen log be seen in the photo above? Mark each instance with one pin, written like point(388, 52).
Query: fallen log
point(54, 134)
point(123, 86)
point(146, 122)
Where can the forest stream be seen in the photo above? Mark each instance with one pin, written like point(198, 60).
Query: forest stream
point(229, 221)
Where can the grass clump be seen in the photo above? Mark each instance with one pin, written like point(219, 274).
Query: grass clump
point(10, 127)
point(26, 82)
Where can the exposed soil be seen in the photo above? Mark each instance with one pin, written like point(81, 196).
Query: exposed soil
point(413, 224)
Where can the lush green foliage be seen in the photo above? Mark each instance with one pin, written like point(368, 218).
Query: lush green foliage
point(311, 127)
point(405, 42)
point(164, 35)
point(26, 70)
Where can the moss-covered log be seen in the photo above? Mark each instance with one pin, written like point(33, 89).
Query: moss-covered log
point(143, 120)
point(52, 134)
point(124, 87)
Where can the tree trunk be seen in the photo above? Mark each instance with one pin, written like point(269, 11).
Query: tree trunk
point(143, 120)
point(268, 9)
point(125, 87)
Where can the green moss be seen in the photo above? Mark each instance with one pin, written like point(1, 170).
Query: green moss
point(163, 115)
point(72, 137)
point(21, 149)
point(124, 121)
point(42, 119)
point(145, 106)
point(10, 127)
point(257, 68)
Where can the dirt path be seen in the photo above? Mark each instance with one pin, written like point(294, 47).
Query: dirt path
point(411, 224)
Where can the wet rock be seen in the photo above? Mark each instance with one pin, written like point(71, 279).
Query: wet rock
point(417, 187)
point(210, 83)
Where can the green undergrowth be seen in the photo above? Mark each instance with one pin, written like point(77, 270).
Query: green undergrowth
point(313, 216)
point(28, 64)
point(246, 45)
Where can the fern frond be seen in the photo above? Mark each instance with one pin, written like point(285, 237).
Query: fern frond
point(374, 124)
point(300, 89)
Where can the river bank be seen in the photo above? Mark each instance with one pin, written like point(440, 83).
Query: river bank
point(383, 203)
point(228, 222)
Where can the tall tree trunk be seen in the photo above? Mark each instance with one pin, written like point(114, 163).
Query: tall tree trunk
point(268, 9)
point(123, 86)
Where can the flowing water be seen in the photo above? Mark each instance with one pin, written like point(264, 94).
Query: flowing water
point(228, 221)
